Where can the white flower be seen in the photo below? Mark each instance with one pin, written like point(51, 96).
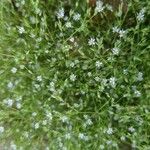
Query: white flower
point(49, 115)
point(122, 138)
point(44, 122)
point(109, 7)
point(89, 122)
point(18, 105)
point(116, 29)
point(101, 147)
point(134, 144)
point(10, 85)
point(140, 15)
point(68, 25)
point(60, 13)
point(26, 134)
point(52, 84)
point(91, 42)
point(140, 76)
point(112, 82)
point(98, 64)
point(72, 64)
point(34, 114)
point(104, 82)
point(109, 142)
point(76, 17)
point(9, 102)
point(13, 146)
point(122, 33)
point(1, 129)
point(39, 78)
point(22, 66)
point(137, 93)
point(67, 136)
point(97, 79)
point(109, 131)
point(33, 20)
point(125, 71)
point(64, 119)
point(21, 30)
point(81, 136)
point(71, 39)
point(99, 6)
point(72, 77)
point(89, 74)
point(14, 70)
point(131, 129)
point(115, 51)
point(36, 126)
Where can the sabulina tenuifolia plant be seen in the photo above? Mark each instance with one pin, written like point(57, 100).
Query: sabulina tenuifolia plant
point(74, 75)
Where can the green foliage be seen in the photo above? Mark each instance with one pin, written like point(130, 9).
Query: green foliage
point(74, 77)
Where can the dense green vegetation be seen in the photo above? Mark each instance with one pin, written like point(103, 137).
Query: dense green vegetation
point(74, 77)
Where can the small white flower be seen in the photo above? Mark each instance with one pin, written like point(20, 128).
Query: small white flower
point(9, 102)
point(67, 136)
point(91, 42)
point(1, 129)
point(44, 122)
point(104, 82)
point(98, 64)
point(140, 15)
point(22, 66)
point(49, 115)
point(60, 13)
point(89, 74)
point(137, 93)
point(122, 138)
point(131, 129)
point(36, 126)
point(64, 119)
point(76, 17)
point(89, 122)
point(34, 114)
point(112, 82)
point(10, 85)
point(13, 146)
point(52, 84)
point(72, 64)
point(18, 105)
point(134, 144)
point(140, 76)
point(14, 70)
point(99, 6)
point(26, 134)
point(97, 79)
point(71, 39)
point(122, 33)
point(116, 29)
point(68, 25)
point(115, 51)
point(21, 30)
point(109, 7)
point(102, 147)
point(39, 78)
point(125, 71)
point(109, 131)
point(33, 20)
point(81, 136)
point(108, 142)
point(72, 77)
